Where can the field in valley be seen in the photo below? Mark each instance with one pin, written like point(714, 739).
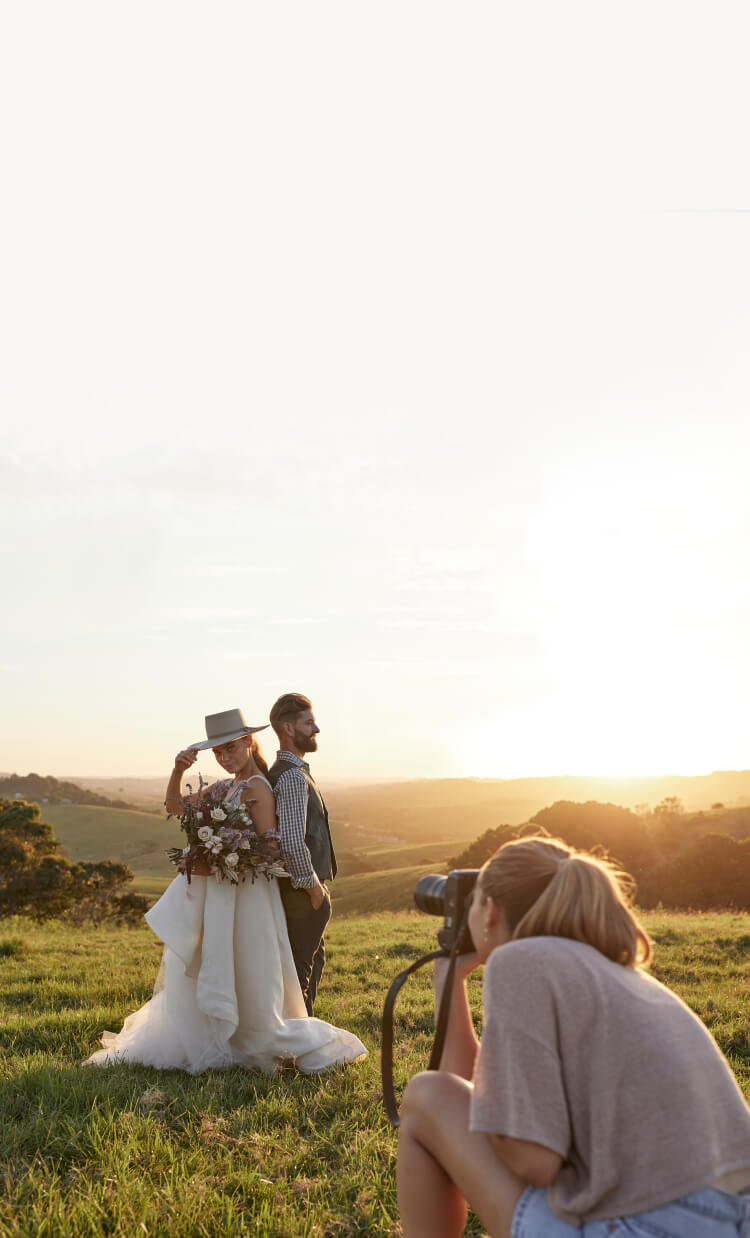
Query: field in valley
point(127, 1150)
point(373, 875)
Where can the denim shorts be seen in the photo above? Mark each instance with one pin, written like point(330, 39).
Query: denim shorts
point(706, 1214)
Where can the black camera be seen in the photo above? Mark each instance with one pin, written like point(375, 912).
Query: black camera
point(449, 897)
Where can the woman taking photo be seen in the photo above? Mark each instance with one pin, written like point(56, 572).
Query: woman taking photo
point(596, 1104)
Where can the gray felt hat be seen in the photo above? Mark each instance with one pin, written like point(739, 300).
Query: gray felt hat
point(221, 728)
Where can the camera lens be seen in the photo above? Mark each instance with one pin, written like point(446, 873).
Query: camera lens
point(429, 894)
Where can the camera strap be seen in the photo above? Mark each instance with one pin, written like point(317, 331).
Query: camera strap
point(386, 1051)
point(444, 1010)
point(386, 1047)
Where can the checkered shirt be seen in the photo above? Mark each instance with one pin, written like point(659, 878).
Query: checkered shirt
point(291, 793)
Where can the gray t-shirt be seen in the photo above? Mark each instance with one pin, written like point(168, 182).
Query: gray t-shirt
point(612, 1071)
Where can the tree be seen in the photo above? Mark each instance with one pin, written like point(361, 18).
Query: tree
point(670, 808)
point(608, 827)
point(669, 824)
point(33, 787)
point(36, 881)
point(713, 871)
point(478, 852)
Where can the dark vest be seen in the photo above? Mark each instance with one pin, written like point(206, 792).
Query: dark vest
point(317, 830)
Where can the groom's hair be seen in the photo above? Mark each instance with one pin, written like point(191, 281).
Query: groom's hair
point(287, 708)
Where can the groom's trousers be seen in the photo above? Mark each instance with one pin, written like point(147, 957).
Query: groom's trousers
point(306, 927)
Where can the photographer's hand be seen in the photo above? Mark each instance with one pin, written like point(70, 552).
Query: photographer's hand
point(465, 965)
point(461, 1044)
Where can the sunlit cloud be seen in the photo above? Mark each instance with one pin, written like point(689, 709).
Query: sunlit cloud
point(295, 621)
point(438, 624)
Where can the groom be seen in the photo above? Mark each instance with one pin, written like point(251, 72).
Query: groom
point(305, 839)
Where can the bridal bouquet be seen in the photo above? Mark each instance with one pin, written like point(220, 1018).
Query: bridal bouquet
point(222, 837)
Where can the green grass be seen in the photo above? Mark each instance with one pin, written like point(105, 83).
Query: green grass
point(391, 889)
point(434, 854)
point(706, 959)
point(138, 839)
point(128, 1150)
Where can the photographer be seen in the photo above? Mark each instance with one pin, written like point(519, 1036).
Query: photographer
point(596, 1104)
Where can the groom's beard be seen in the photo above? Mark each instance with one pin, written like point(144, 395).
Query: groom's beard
point(306, 743)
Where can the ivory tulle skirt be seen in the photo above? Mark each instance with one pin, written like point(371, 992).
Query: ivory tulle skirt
point(227, 992)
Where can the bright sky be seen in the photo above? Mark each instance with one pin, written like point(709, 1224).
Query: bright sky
point(395, 354)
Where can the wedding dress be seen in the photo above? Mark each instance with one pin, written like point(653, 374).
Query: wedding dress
point(227, 992)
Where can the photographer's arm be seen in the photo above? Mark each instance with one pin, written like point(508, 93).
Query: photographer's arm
point(461, 1044)
point(532, 1162)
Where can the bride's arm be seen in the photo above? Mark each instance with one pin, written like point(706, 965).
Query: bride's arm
point(173, 800)
point(261, 805)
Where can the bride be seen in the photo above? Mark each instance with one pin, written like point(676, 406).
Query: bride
point(227, 992)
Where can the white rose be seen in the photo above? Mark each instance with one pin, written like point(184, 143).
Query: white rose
point(244, 844)
point(218, 814)
point(232, 859)
point(215, 846)
point(205, 832)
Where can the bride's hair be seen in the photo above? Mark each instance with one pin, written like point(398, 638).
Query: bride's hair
point(548, 889)
point(258, 757)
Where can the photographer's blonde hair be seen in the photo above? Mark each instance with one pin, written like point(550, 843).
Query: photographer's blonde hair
point(547, 889)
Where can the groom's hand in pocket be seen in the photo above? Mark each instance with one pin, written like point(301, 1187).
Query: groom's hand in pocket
point(317, 894)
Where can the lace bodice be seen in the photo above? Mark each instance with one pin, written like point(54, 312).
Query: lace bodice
point(230, 790)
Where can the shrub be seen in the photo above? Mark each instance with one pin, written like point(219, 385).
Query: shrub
point(35, 881)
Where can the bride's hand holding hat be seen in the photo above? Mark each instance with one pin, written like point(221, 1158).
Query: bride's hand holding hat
point(185, 758)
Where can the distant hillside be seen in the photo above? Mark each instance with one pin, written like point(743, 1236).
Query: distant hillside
point(388, 835)
point(44, 789)
point(147, 794)
point(390, 889)
point(462, 808)
point(372, 876)
point(137, 839)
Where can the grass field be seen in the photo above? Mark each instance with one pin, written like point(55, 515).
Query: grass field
point(130, 1151)
point(138, 839)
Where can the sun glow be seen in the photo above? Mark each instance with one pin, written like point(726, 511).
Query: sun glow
point(630, 678)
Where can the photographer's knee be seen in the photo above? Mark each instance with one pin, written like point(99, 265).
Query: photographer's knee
point(417, 1090)
point(419, 1094)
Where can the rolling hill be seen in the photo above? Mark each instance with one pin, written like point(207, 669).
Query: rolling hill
point(137, 839)
point(379, 877)
point(462, 808)
point(389, 834)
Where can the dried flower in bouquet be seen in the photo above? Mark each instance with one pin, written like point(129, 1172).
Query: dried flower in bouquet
point(221, 836)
